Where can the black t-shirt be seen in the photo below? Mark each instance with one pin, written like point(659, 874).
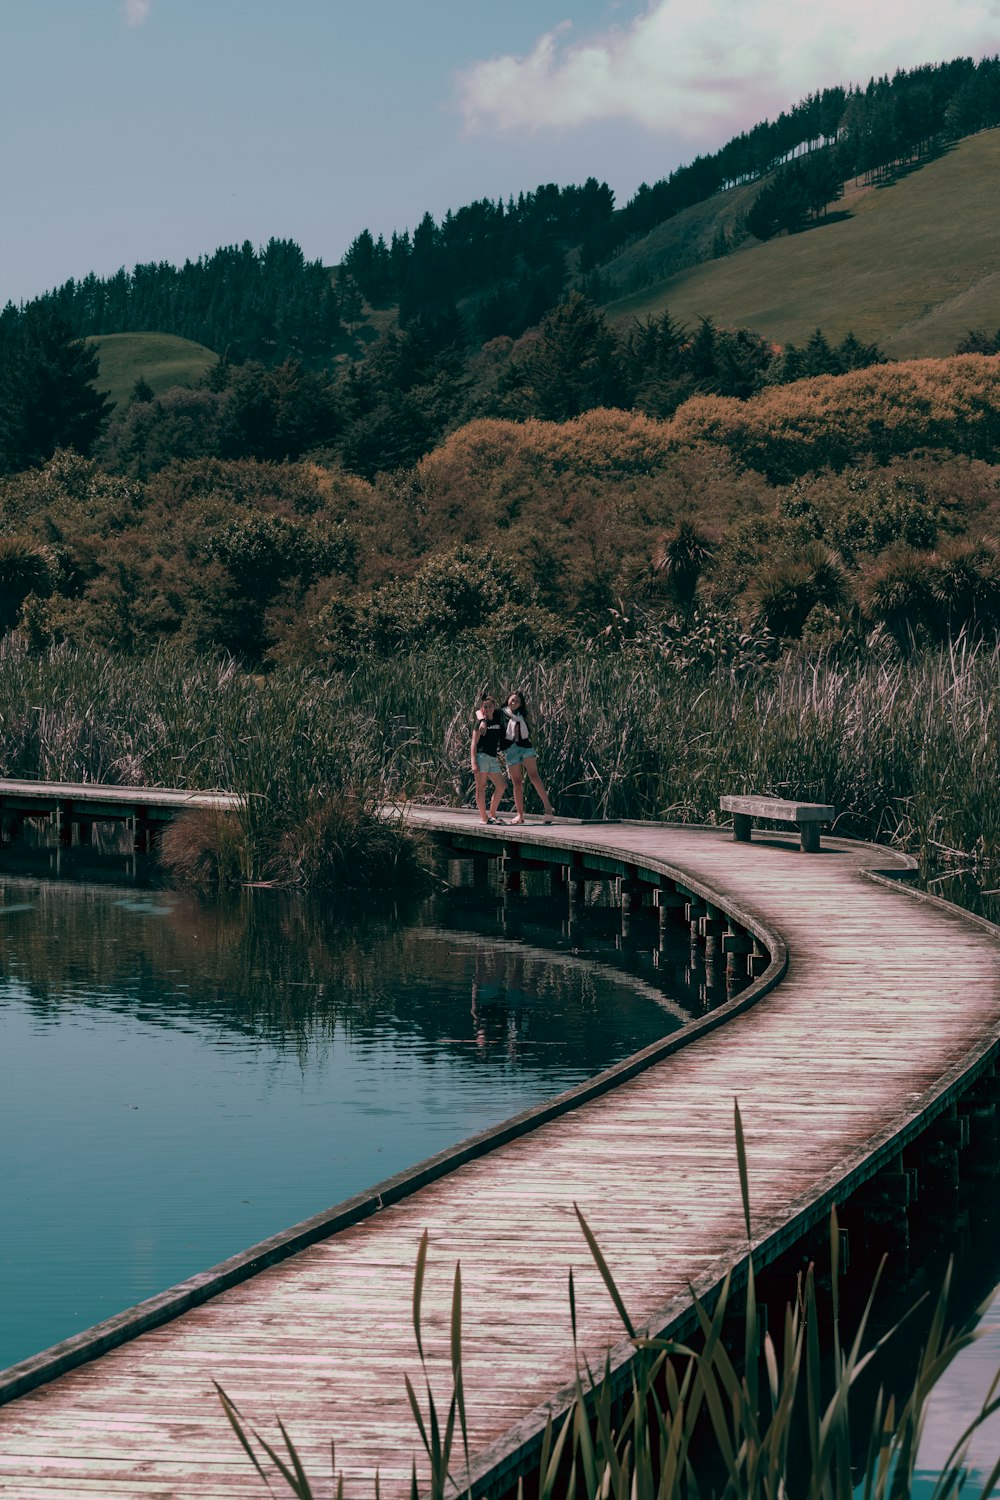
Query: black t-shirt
point(492, 732)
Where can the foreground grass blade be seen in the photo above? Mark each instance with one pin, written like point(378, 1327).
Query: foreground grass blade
point(606, 1275)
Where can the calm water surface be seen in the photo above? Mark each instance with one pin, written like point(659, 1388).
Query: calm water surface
point(179, 1079)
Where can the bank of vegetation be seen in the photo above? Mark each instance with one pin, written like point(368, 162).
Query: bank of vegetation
point(906, 748)
point(712, 562)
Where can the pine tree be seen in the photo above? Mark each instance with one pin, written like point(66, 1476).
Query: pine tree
point(47, 396)
point(574, 365)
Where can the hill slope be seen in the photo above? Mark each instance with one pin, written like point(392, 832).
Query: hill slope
point(161, 359)
point(913, 266)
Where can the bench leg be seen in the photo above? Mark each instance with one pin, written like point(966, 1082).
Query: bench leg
point(809, 837)
point(741, 828)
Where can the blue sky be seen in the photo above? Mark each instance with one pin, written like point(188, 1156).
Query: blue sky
point(135, 130)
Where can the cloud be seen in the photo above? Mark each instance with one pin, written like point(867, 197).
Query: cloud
point(718, 65)
point(135, 12)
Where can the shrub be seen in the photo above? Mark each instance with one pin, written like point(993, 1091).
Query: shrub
point(204, 849)
point(680, 557)
point(24, 569)
point(785, 592)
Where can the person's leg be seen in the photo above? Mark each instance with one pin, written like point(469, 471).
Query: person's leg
point(481, 780)
point(517, 787)
point(499, 787)
point(531, 766)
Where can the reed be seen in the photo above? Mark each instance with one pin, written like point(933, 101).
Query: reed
point(906, 749)
point(309, 764)
point(785, 1416)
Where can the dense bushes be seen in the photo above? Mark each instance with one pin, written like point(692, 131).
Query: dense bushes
point(833, 421)
point(745, 508)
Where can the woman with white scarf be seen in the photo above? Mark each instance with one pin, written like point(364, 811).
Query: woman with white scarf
point(519, 754)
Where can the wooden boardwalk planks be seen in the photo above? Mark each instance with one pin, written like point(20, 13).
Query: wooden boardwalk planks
point(884, 997)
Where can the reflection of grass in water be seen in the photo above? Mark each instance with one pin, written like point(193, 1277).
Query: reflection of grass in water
point(243, 956)
point(268, 963)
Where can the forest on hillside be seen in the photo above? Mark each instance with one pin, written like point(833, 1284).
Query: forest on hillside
point(486, 321)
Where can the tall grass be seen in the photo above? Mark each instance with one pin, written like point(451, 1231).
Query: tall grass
point(309, 766)
point(907, 750)
point(780, 1418)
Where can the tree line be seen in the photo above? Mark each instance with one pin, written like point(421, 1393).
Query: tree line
point(381, 414)
point(868, 130)
point(506, 262)
point(269, 304)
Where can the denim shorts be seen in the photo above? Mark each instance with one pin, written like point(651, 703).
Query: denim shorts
point(487, 763)
point(514, 754)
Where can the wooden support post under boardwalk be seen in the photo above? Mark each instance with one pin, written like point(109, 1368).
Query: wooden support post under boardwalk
point(979, 1107)
point(65, 820)
point(140, 831)
point(13, 825)
point(634, 893)
point(882, 1204)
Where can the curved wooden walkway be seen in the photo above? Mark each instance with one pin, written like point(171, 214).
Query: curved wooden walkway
point(887, 1002)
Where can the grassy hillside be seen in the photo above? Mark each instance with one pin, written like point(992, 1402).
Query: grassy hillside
point(912, 265)
point(161, 359)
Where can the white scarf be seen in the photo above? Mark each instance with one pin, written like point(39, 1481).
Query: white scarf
point(513, 722)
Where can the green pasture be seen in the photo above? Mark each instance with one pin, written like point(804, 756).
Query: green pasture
point(161, 359)
point(911, 265)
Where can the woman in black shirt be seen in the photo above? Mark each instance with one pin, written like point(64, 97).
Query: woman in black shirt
point(487, 735)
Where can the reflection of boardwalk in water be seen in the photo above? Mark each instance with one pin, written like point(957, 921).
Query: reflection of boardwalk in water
point(548, 957)
point(887, 1004)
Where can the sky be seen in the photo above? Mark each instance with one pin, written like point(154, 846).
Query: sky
point(146, 130)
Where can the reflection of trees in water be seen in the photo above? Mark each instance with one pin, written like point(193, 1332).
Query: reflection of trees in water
point(290, 969)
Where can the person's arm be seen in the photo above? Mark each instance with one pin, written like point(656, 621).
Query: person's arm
point(478, 728)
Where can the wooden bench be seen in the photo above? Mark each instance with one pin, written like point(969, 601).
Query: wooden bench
point(807, 816)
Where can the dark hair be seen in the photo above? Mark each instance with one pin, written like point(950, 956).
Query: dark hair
point(487, 694)
point(523, 710)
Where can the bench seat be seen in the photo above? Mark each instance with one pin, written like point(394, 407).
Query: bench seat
point(807, 816)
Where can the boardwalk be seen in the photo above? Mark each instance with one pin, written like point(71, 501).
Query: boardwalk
point(886, 1001)
point(80, 804)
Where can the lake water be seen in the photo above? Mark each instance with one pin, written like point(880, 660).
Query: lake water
point(180, 1079)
